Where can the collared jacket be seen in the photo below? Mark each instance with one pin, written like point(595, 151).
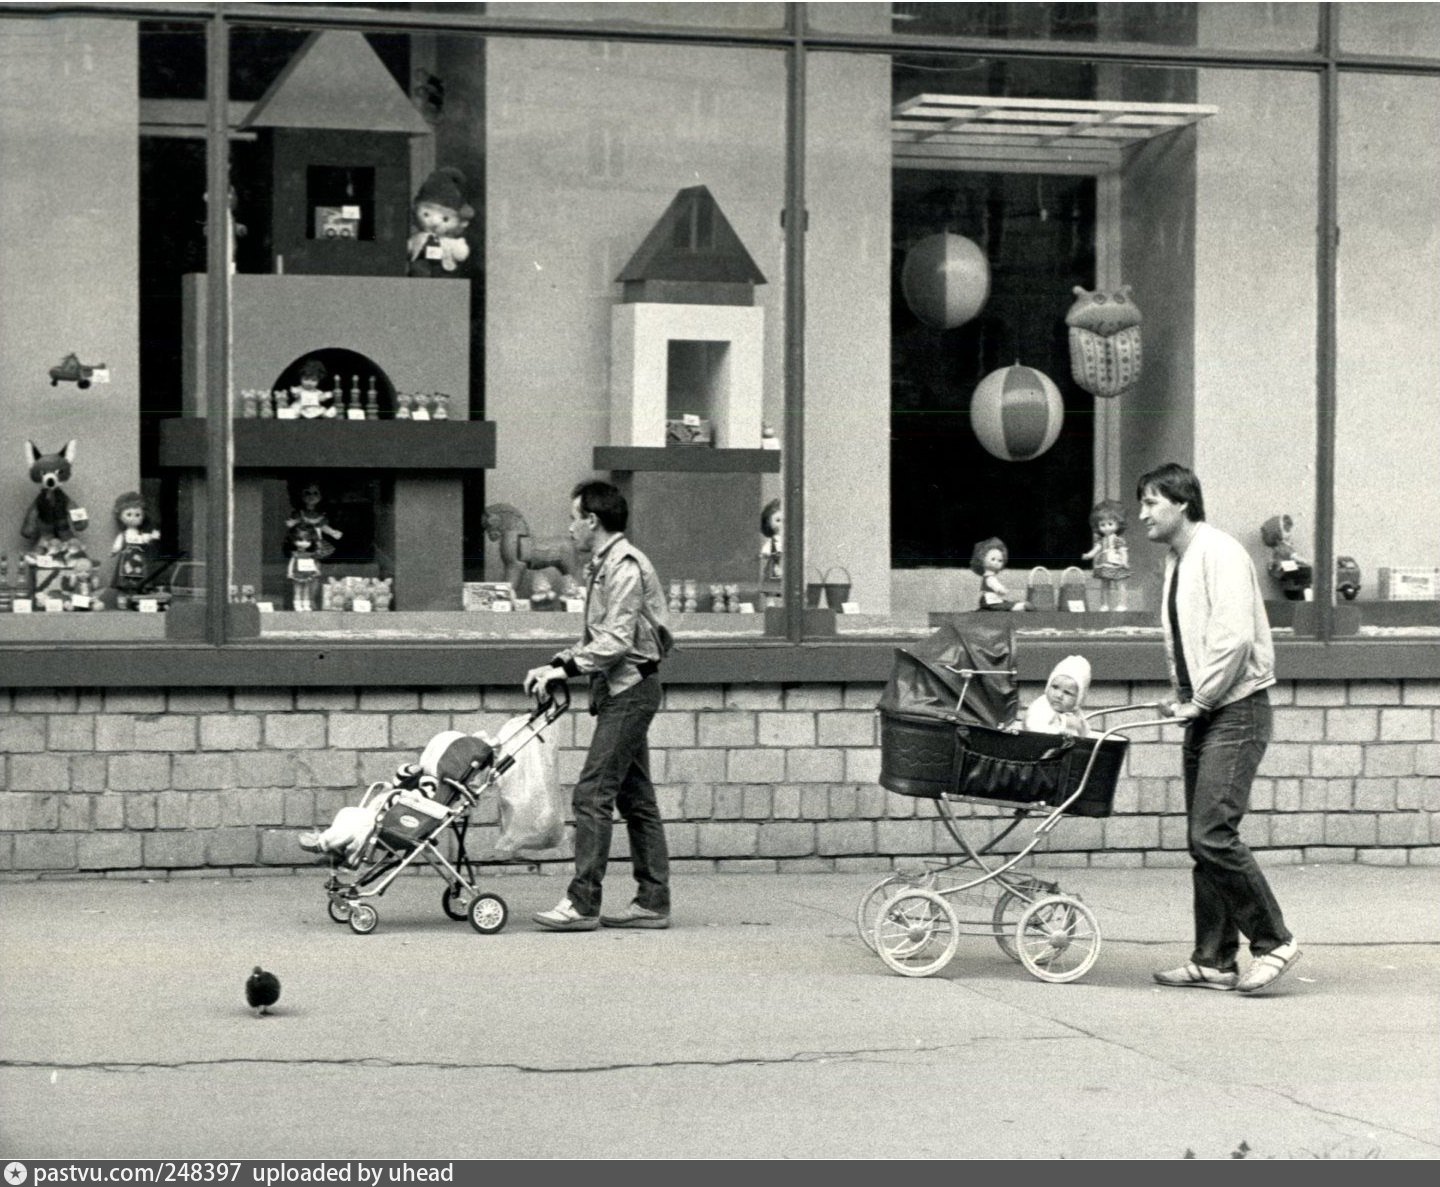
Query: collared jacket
point(1223, 626)
point(623, 607)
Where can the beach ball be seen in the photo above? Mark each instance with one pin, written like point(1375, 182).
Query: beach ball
point(1016, 413)
point(945, 279)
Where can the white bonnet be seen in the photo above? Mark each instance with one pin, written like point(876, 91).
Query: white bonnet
point(1077, 667)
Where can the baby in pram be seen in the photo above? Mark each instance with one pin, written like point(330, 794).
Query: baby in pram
point(448, 756)
point(1059, 710)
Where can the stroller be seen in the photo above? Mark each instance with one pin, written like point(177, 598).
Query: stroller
point(941, 739)
point(429, 800)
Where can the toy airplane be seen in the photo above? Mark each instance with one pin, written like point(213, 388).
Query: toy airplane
point(72, 370)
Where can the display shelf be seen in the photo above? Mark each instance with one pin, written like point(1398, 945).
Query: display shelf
point(408, 445)
point(1089, 620)
point(686, 459)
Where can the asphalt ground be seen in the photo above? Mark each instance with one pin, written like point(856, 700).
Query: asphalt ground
point(758, 1026)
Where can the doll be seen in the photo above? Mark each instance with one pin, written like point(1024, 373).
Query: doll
point(134, 547)
point(988, 561)
point(311, 514)
point(439, 247)
point(1059, 710)
point(1111, 555)
point(772, 550)
point(303, 571)
point(309, 394)
point(1291, 571)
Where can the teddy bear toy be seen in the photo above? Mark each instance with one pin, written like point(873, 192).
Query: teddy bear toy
point(439, 247)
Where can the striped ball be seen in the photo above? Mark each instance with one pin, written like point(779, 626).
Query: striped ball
point(1016, 413)
point(945, 279)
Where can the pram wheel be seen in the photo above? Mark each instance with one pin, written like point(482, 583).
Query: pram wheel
point(339, 910)
point(453, 901)
point(867, 912)
point(363, 918)
point(1011, 905)
point(917, 933)
point(1058, 938)
point(488, 914)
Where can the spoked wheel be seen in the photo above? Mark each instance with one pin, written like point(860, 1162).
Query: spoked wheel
point(1058, 938)
point(867, 912)
point(917, 933)
point(455, 901)
point(339, 910)
point(488, 914)
point(363, 918)
point(1011, 905)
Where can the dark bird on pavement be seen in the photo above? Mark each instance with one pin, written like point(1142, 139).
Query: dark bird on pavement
point(262, 990)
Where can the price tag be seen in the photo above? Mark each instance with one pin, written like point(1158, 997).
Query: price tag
point(502, 607)
point(1075, 605)
point(79, 517)
point(690, 418)
point(355, 414)
point(747, 608)
point(420, 414)
point(80, 601)
point(1288, 566)
point(362, 605)
point(350, 212)
point(306, 564)
point(265, 607)
point(22, 606)
point(433, 252)
point(100, 375)
point(148, 606)
point(53, 605)
point(849, 607)
point(574, 605)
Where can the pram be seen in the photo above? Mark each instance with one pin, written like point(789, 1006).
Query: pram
point(941, 739)
point(428, 801)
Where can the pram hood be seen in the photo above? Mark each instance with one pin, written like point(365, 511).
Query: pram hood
point(456, 756)
point(922, 683)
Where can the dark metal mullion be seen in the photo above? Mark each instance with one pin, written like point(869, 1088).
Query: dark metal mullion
point(1325, 327)
point(216, 395)
point(794, 440)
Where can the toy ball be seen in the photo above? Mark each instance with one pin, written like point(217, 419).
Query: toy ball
point(1016, 413)
point(945, 279)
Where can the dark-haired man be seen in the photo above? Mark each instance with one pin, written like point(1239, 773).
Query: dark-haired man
point(624, 640)
point(1222, 661)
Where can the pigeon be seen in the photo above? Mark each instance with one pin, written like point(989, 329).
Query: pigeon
point(262, 990)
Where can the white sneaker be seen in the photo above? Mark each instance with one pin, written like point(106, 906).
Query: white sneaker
point(1266, 970)
point(564, 917)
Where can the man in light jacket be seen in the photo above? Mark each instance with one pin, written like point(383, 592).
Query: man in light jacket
point(1222, 661)
point(624, 640)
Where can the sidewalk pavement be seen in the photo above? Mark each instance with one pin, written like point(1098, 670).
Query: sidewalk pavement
point(758, 1026)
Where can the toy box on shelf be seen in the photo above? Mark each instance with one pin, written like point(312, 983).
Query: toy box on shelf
point(1409, 584)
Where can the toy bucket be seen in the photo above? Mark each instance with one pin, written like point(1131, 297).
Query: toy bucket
point(837, 593)
point(814, 591)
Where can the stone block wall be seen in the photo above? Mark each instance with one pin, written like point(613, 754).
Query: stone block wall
point(750, 777)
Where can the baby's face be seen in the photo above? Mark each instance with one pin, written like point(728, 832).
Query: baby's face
point(438, 220)
point(1063, 693)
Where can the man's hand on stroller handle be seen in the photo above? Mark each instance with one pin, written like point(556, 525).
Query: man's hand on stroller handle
point(537, 680)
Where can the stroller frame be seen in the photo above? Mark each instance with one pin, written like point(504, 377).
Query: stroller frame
point(913, 921)
point(378, 864)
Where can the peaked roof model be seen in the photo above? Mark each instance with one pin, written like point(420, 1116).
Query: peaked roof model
point(693, 241)
point(337, 81)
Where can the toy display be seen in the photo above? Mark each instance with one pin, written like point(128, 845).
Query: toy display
point(1110, 555)
point(1104, 331)
point(72, 370)
point(134, 549)
point(946, 280)
point(1347, 577)
point(988, 561)
point(52, 513)
point(1016, 413)
point(309, 396)
point(439, 247)
point(303, 570)
point(520, 552)
point(358, 594)
point(311, 514)
point(1291, 572)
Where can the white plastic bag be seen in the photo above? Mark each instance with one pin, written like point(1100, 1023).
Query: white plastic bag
point(532, 808)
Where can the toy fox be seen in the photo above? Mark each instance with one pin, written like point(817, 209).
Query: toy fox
point(52, 513)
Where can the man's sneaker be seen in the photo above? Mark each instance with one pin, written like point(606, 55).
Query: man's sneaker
point(564, 917)
point(1196, 976)
point(636, 916)
point(1266, 970)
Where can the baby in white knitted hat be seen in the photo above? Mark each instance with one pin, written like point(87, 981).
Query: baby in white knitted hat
point(1059, 711)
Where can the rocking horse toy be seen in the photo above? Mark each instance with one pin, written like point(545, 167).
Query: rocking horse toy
point(521, 552)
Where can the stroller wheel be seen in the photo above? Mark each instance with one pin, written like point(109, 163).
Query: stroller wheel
point(1011, 905)
point(917, 933)
point(453, 901)
point(488, 914)
point(867, 911)
point(363, 918)
point(339, 910)
point(1058, 938)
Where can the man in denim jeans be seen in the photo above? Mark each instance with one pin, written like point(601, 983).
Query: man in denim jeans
point(1222, 661)
point(624, 640)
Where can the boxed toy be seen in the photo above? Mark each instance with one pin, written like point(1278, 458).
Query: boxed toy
point(1409, 584)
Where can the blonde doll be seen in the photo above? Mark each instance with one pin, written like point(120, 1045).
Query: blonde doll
point(1111, 554)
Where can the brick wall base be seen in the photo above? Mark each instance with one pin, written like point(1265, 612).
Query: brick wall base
point(750, 778)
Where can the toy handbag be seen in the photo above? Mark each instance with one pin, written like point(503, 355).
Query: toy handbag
point(837, 593)
point(1072, 589)
point(1040, 593)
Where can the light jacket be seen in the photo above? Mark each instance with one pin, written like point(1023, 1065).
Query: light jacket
point(1222, 621)
point(623, 603)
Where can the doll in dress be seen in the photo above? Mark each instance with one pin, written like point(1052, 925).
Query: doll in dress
point(309, 395)
point(303, 569)
point(988, 561)
point(311, 513)
point(1110, 554)
point(134, 547)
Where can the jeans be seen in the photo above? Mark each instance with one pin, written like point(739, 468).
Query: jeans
point(617, 775)
point(1221, 754)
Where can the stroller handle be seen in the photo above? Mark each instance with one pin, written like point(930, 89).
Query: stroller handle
point(1147, 706)
point(554, 703)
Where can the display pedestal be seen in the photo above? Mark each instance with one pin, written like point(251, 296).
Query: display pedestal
point(694, 511)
